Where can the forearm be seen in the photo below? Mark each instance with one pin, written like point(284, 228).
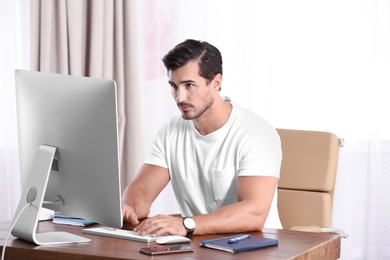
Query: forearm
point(255, 195)
point(238, 217)
point(235, 218)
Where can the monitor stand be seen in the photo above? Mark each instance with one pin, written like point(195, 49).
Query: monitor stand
point(25, 225)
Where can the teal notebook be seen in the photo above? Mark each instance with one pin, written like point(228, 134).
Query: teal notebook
point(66, 219)
point(251, 243)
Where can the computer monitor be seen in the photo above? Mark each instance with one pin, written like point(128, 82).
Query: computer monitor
point(68, 150)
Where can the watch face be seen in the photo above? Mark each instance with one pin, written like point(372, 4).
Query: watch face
point(189, 223)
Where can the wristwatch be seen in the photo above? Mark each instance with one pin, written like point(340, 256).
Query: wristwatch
point(189, 224)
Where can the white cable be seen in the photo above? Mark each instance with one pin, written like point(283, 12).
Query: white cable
point(12, 226)
point(335, 230)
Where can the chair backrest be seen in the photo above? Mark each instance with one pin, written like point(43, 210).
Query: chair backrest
point(307, 177)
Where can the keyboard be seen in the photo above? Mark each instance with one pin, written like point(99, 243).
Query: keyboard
point(120, 233)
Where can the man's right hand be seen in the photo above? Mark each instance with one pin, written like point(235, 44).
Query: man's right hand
point(129, 214)
point(139, 195)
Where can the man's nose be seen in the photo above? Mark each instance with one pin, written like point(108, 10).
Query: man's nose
point(180, 95)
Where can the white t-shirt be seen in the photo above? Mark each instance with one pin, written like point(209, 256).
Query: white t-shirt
point(204, 169)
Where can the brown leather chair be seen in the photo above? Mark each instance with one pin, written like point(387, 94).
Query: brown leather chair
point(307, 179)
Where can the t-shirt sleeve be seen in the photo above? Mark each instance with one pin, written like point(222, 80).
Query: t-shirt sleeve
point(260, 152)
point(157, 155)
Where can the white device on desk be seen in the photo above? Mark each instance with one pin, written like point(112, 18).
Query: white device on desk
point(132, 235)
point(167, 240)
point(69, 152)
point(119, 233)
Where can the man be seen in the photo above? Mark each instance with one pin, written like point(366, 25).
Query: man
point(223, 160)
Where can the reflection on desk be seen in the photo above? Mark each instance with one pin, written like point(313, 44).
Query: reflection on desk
point(292, 245)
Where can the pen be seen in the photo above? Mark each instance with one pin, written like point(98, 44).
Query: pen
point(236, 239)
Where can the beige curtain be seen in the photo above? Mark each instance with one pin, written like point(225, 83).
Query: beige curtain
point(93, 38)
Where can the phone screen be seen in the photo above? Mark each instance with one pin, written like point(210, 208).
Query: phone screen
point(158, 250)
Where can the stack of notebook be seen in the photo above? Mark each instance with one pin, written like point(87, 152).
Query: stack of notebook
point(66, 219)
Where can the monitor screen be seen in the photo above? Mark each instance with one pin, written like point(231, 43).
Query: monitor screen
point(70, 122)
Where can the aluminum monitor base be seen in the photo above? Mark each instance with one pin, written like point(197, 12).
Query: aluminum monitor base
point(33, 194)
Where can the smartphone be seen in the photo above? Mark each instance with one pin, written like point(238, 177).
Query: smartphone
point(159, 250)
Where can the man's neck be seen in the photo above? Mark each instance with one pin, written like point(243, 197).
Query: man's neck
point(214, 118)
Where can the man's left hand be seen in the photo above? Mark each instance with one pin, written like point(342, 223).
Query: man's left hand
point(160, 225)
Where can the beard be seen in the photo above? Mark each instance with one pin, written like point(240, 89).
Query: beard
point(196, 112)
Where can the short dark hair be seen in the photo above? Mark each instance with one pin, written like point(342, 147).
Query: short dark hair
point(209, 58)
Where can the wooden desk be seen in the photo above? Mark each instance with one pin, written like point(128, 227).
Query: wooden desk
point(292, 245)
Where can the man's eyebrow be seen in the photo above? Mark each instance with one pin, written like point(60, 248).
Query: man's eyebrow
point(182, 82)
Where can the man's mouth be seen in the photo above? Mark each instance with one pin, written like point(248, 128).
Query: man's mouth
point(184, 106)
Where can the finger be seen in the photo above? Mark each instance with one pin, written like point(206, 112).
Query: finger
point(144, 227)
point(129, 215)
point(133, 219)
point(148, 226)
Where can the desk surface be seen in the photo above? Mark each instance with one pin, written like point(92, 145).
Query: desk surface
point(292, 245)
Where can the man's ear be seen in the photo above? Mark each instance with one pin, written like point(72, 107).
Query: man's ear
point(217, 82)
